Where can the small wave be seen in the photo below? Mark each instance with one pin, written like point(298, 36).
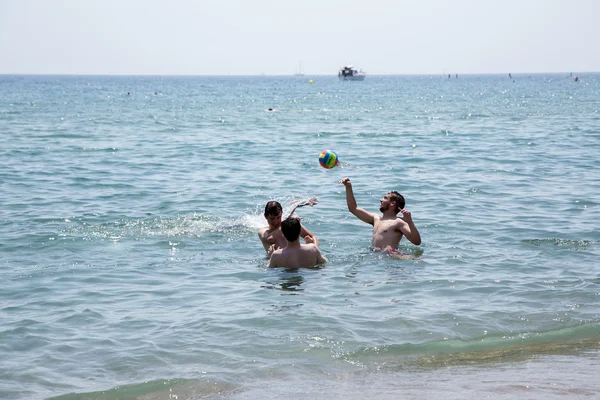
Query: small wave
point(42, 134)
point(10, 112)
point(566, 243)
point(517, 347)
point(161, 389)
point(106, 149)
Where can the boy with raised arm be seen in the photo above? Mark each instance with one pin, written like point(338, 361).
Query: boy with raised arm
point(271, 236)
point(388, 228)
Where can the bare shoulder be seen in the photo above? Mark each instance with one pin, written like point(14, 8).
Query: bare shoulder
point(277, 253)
point(317, 252)
point(376, 218)
point(399, 222)
point(275, 259)
point(264, 233)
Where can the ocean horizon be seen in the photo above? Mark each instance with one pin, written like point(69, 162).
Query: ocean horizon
point(320, 74)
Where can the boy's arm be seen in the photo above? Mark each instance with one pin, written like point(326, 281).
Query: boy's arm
point(263, 239)
point(273, 261)
point(320, 258)
point(308, 236)
point(360, 213)
point(409, 229)
point(301, 203)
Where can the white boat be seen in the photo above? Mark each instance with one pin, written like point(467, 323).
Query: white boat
point(349, 73)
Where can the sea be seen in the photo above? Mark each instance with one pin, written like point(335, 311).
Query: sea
point(130, 266)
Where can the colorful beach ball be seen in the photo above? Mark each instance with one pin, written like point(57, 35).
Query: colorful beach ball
point(328, 159)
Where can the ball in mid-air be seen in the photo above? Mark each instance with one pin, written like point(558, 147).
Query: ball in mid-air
point(328, 159)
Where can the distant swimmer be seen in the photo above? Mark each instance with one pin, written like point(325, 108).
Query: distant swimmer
point(576, 79)
point(510, 75)
point(271, 110)
point(388, 228)
point(295, 254)
point(271, 236)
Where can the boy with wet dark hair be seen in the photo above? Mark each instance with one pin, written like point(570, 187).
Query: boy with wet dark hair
point(290, 228)
point(295, 254)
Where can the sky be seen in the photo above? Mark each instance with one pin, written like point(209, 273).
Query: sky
point(276, 37)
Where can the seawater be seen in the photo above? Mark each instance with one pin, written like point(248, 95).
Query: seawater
point(131, 267)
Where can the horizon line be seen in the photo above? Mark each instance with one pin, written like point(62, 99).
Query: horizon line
point(292, 75)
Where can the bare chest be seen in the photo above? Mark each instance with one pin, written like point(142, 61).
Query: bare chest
point(385, 226)
point(275, 237)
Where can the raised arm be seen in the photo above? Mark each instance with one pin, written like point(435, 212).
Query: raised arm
point(410, 230)
point(301, 203)
point(307, 235)
point(360, 213)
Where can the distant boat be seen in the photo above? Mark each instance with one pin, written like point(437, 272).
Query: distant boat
point(349, 73)
point(300, 71)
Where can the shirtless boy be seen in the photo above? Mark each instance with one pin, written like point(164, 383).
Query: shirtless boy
point(271, 236)
point(295, 254)
point(388, 228)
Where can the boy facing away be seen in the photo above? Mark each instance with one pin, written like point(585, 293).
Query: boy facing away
point(295, 254)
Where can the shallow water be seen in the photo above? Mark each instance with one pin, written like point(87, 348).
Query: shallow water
point(131, 267)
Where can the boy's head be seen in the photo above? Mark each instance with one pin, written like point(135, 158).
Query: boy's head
point(398, 199)
point(273, 213)
point(291, 228)
point(392, 197)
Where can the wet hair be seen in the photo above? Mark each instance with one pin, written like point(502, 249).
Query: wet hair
point(273, 208)
point(398, 198)
point(290, 227)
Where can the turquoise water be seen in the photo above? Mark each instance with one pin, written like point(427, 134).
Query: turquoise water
point(131, 269)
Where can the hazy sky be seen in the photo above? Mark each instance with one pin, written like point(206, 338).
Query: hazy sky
point(248, 37)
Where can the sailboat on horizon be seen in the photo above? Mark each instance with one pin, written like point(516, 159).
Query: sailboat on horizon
point(300, 71)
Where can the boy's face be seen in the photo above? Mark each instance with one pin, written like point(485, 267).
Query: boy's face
point(274, 220)
point(386, 203)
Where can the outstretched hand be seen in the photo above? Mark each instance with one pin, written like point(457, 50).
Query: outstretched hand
point(301, 203)
point(346, 182)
